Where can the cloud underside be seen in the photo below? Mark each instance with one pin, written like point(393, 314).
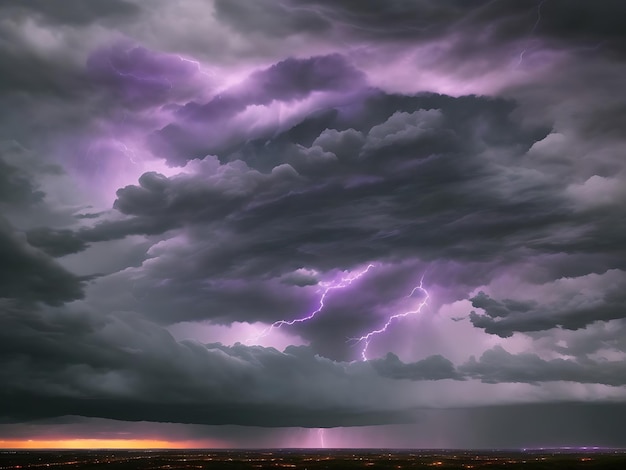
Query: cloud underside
point(58, 362)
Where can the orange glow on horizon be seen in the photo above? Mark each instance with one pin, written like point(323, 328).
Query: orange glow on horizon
point(101, 444)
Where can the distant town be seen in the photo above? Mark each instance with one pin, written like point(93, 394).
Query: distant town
point(587, 458)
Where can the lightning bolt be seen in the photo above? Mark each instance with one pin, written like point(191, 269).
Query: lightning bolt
point(532, 31)
point(162, 82)
point(328, 287)
point(197, 64)
point(367, 338)
point(320, 432)
point(130, 153)
point(520, 59)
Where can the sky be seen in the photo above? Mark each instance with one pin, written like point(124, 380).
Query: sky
point(309, 223)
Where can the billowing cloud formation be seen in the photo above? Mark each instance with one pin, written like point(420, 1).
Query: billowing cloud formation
point(418, 151)
point(429, 368)
point(204, 128)
point(497, 365)
point(16, 186)
point(55, 242)
point(572, 309)
point(408, 177)
point(28, 275)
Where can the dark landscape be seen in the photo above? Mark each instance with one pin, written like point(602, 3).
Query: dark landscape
point(316, 459)
point(307, 227)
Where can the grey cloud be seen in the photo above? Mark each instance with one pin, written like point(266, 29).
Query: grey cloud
point(497, 365)
point(27, 407)
point(301, 278)
point(26, 274)
point(426, 177)
point(393, 19)
point(562, 425)
point(55, 242)
point(428, 160)
point(89, 215)
point(71, 361)
point(17, 187)
point(24, 67)
point(261, 17)
point(120, 366)
point(561, 22)
point(583, 22)
point(159, 204)
point(139, 78)
point(430, 368)
point(501, 309)
point(594, 339)
point(570, 311)
point(409, 178)
point(71, 12)
point(202, 128)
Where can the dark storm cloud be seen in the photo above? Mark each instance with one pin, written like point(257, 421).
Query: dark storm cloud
point(352, 162)
point(430, 368)
point(261, 17)
point(201, 128)
point(16, 186)
point(602, 336)
point(497, 365)
point(530, 426)
point(69, 362)
point(583, 21)
point(139, 77)
point(71, 12)
point(392, 19)
point(28, 407)
point(55, 242)
point(89, 215)
point(26, 71)
point(44, 92)
point(300, 278)
point(26, 274)
point(159, 204)
point(471, 24)
point(562, 425)
point(503, 318)
point(365, 176)
point(38, 52)
point(405, 177)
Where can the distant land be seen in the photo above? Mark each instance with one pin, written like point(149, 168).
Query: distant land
point(314, 459)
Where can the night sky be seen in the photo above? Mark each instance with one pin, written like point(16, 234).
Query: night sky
point(270, 223)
